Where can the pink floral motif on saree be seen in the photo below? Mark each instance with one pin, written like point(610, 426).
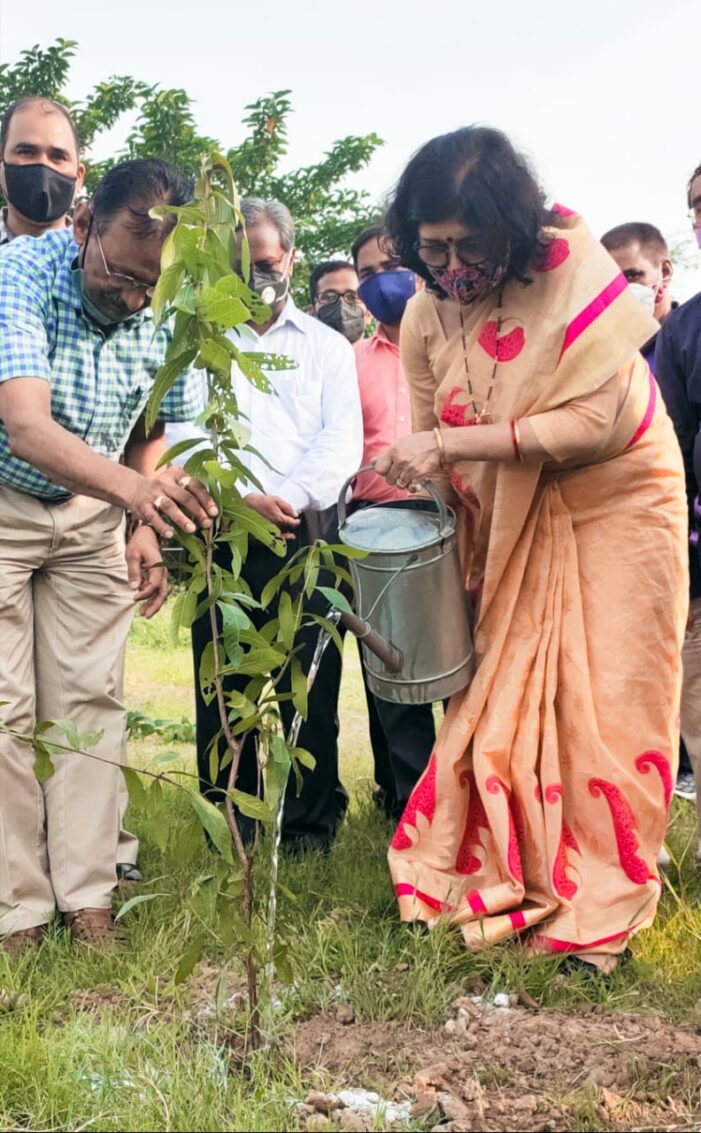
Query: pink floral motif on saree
point(625, 828)
point(467, 862)
point(563, 885)
point(504, 347)
point(421, 801)
point(494, 785)
point(554, 253)
point(452, 413)
point(656, 759)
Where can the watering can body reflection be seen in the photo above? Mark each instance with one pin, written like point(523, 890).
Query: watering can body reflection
point(409, 594)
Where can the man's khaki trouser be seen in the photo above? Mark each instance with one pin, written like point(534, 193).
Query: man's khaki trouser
point(65, 612)
point(691, 702)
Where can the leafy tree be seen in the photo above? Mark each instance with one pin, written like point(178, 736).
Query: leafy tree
point(328, 213)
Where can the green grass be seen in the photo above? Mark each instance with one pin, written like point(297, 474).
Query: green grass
point(106, 1042)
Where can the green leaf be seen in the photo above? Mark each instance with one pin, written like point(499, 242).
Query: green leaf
point(138, 795)
point(189, 958)
point(189, 606)
point(254, 524)
point(214, 763)
point(213, 822)
point(336, 599)
point(345, 552)
point(188, 842)
point(214, 356)
point(234, 619)
point(177, 450)
point(167, 288)
point(251, 369)
point(70, 732)
point(251, 806)
point(259, 660)
point(43, 767)
point(287, 620)
point(299, 687)
point(301, 755)
point(141, 899)
point(159, 818)
point(281, 960)
point(166, 377)
point(240, 705)
point(166, 757)
point(225, 310)
point(328, 626)
point(91, 739)
point(272, 361)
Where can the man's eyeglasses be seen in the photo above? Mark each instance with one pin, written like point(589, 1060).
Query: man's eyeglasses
point(326, 297)
point(121, 281)
point(436, 253)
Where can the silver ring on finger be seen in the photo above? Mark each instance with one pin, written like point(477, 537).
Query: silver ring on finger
point(185, 481)
point(158, 502)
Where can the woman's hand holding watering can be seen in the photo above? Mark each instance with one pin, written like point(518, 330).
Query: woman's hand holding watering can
point(412, 458)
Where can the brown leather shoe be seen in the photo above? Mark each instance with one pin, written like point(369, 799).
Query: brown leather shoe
point(92, 926)
point(17, 943)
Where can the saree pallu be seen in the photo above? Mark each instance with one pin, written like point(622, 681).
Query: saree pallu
point(545, 802)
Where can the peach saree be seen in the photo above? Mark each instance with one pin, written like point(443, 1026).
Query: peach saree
point(545, 802)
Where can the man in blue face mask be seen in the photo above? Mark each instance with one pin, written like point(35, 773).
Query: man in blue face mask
point(402, 735)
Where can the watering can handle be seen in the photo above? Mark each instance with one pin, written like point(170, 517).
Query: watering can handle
point(433, 492)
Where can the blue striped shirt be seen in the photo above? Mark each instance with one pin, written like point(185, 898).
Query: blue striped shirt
point(100, 381)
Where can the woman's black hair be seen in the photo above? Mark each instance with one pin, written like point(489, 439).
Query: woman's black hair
point(473, 175)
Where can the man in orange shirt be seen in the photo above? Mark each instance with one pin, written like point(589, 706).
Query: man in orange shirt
point(402, 735)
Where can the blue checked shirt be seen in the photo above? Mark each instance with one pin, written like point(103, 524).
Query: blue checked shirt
point(100, 382)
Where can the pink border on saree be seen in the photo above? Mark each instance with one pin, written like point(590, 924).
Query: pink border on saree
point(591, 312)
point(649, 414)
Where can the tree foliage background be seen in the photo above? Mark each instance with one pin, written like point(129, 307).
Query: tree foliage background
point(327, 211)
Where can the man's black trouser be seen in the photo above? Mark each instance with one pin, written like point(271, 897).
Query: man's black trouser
point(310, 819)
point(402, 738)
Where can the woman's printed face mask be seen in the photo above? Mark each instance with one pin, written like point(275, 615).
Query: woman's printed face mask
point(469, 284)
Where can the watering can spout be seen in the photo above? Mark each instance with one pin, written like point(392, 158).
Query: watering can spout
point(390, 656)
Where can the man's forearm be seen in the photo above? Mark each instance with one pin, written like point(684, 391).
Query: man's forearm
point(66, 460)
point(143, 453)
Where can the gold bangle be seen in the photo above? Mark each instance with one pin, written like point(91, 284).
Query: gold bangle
point(516, 436)
point(440, 444)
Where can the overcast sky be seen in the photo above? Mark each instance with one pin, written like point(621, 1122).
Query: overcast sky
point(601, 95)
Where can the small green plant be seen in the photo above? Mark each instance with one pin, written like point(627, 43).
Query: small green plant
point(140, 726)
point(203, 289)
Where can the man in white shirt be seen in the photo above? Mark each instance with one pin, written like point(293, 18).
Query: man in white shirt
point(312, 434)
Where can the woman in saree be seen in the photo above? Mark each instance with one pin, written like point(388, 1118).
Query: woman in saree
point(545, 802)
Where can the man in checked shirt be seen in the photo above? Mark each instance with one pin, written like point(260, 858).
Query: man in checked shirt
point(78, 356)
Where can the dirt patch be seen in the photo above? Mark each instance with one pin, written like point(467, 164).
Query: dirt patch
point(98, 999)
point(492, 1068)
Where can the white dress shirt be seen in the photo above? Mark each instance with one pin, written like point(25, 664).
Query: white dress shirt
point(310, 426)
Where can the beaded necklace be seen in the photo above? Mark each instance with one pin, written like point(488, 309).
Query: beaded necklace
point(483, 417)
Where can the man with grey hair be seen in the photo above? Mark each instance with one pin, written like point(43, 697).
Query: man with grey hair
point(310, 431)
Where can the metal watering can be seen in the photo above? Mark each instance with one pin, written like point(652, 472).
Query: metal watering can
point(412, 609)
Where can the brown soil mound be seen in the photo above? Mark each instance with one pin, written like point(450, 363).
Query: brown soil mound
point(499, 1069)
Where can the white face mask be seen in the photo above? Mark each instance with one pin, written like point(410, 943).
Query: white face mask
point(646, 296)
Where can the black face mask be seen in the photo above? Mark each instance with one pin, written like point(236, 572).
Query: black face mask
point(39, 192)
point(347, 318)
